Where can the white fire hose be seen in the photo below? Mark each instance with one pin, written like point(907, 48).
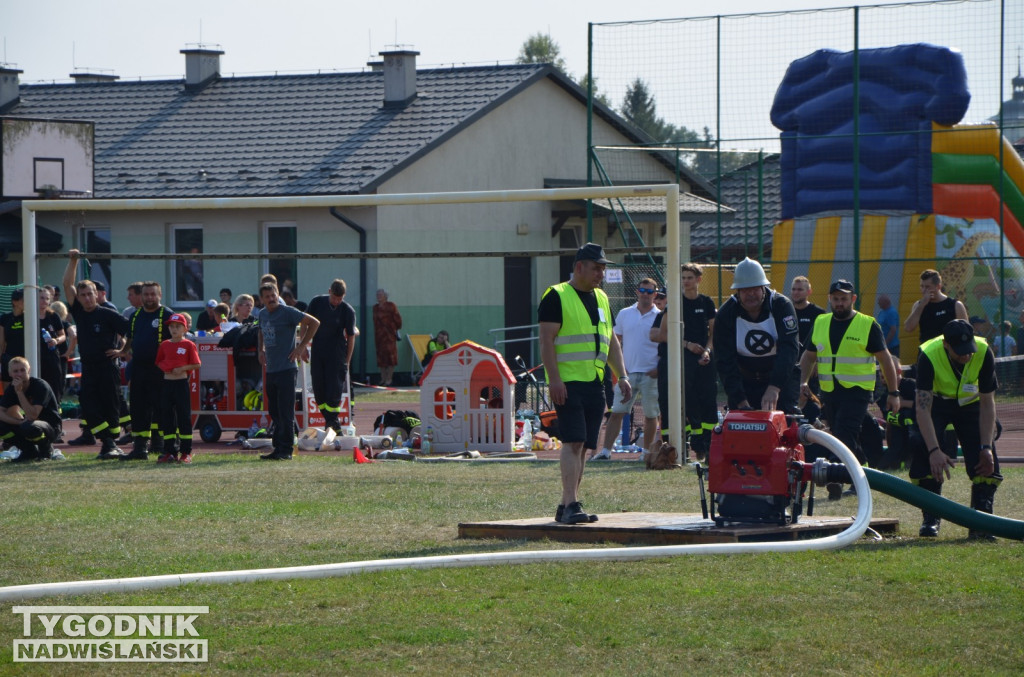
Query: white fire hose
point(808, 434)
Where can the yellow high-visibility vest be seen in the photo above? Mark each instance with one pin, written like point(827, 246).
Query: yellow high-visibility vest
point(581, 347)
point(852, 366)
point(946, 384)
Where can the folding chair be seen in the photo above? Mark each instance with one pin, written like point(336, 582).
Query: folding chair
point(417, 350)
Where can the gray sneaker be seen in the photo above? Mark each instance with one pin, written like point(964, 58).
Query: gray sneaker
point(57, 456)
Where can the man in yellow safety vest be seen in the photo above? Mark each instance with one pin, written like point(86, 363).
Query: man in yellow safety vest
point(844, 346)
point(956, 385)
point(576, 345)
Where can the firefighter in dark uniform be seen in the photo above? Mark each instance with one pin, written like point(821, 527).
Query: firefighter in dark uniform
point(147, 328)
point(331, 351)
point(100, 332)
point(756, 345)
point(956, 384)
point(701, 415)
point(844, 346)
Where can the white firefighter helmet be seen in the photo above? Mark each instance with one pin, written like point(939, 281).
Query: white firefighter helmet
point(748, 273)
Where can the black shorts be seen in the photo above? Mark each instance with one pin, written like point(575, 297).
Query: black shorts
point(580, 418)
point(895, 350)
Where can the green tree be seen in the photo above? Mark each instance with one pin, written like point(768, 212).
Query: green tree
point(706, 164)
point(540, 48)
point(598, 95)
point(640, 108)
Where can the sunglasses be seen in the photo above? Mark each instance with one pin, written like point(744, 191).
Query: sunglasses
point(644, 290)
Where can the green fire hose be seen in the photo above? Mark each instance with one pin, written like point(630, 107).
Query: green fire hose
point(944, 508)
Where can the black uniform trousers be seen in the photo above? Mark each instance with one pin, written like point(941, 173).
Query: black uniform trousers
point(34, 438)
point(100, 397)
point(329, 374)
point(279, 389)
point(701, 389)
point(844, 409)
point(753, 390)
point(144, 399)
point(176, 414)
point(966, 422)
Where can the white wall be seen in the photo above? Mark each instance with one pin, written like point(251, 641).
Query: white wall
point(539, 134)
point(39, 152)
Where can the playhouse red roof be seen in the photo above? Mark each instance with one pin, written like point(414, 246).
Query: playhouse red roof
point(475, 347)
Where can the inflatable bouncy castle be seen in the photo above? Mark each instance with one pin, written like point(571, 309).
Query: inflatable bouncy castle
point(931, 193)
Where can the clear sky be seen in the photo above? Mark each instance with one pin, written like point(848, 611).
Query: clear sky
point(50, 39)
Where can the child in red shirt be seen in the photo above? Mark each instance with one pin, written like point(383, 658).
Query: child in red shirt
point(176, 357)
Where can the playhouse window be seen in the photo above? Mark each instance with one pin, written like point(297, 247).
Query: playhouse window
point(444, 404)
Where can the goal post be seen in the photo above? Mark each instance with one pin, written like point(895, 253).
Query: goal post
point(670, 193)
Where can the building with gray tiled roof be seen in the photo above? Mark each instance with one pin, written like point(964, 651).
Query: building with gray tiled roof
point(753, 193)
point(392, 129)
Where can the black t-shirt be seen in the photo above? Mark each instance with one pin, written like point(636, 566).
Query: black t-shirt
point(935, 317)
point(50, 321)
point(986, 377)
point(39, 392)
point(336, 325)
point(805, 320)
point(98, 331)
point(147, 329)
point(697, 315)
point(836, 331)
point(550, 308)
point(14, 333)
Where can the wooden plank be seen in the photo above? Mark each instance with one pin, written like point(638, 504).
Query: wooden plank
point(649, 528)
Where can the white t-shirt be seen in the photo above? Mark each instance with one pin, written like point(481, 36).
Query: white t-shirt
point(639, 352)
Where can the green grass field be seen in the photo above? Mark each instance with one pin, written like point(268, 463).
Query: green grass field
point(901, 606)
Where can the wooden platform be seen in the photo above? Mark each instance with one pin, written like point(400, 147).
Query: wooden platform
point(663, 528)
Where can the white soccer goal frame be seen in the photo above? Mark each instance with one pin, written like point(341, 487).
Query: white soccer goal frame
point(673, 239)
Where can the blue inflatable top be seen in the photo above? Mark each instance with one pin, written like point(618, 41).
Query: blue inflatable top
point(903, 90)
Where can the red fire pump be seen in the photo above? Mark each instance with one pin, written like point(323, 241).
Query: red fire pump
point(755, 469)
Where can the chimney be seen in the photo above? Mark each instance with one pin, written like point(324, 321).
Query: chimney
point(399, 77)
point(376, 66)
point(202, 66)
point(9, 85)
point(84, 77)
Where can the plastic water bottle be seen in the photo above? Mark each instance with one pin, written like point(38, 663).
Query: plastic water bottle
point(527, 438)
point(428, 441)
point(46, 340)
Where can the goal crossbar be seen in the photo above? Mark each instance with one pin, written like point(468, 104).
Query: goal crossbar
point(669, 191)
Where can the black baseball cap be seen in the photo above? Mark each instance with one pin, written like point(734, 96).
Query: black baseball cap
point(661, 293)
point(959, 334)
point(841, 285)
point(18, 294)
point(591, 252)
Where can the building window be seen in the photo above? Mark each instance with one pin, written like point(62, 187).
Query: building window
point(96, 241)
point(188, 273)
point(282, 238)
point(634, 238)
